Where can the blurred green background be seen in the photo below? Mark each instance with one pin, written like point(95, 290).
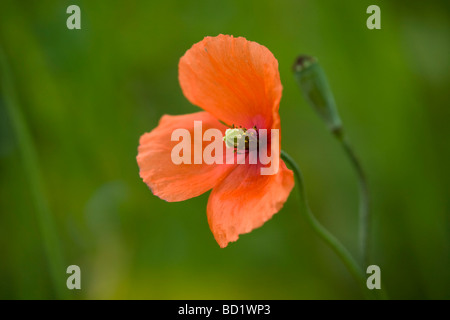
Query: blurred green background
point(87, 95)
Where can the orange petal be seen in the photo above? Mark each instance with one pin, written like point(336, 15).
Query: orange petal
point(173, 182)
point(235, 80)
point(245, 200)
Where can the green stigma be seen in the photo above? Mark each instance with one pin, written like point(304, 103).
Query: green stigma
point(241, 139)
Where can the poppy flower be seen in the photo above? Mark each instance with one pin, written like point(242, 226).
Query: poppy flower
point(235, 82)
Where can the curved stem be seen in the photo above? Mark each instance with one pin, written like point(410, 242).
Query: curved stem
point(364, 212)
point(326, 236)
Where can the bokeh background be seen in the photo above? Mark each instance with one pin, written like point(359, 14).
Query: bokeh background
point(84, 97)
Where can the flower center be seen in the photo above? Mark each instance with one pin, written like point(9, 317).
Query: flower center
point(241, 139)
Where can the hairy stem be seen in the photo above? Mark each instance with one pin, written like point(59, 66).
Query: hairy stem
point(364, 210)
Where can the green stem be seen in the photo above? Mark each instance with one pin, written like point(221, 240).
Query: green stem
point(326, 236)
point(364, 211)
point(31, 170)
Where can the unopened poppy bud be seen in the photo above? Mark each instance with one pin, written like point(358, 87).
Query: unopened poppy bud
point(314, 85)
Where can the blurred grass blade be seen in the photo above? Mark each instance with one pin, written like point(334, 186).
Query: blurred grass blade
point(31, 170)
